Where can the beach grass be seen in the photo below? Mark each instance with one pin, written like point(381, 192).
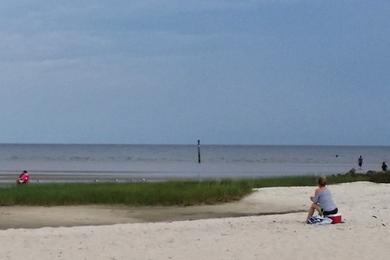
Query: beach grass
point(180, 193)
point(289, 181)
point(135, 194)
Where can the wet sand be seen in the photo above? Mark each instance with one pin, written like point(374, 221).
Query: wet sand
point(36, 217)
point(86, 177)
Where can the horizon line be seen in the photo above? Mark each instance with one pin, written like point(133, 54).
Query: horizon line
point(195, 143)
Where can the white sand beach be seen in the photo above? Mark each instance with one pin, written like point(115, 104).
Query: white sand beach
point(364, 235)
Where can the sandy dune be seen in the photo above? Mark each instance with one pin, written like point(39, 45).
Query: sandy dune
point(364, 235)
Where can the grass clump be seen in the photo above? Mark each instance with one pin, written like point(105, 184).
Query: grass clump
point(290, 181)
point(379, 177)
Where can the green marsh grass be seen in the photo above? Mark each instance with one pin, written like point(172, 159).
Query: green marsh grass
point(136, 194)
point(181, 193)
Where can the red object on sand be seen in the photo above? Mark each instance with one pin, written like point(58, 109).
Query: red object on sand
point(336, 219)
point(24, 177)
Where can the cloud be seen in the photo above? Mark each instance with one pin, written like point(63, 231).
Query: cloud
point(45, 30)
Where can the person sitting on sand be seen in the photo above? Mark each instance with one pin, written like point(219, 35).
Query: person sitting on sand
point(322, 200)
point(23, 178)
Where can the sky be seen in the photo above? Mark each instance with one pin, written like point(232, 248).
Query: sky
point(276, 72)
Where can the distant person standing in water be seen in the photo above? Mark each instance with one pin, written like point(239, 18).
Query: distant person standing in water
point(360, 161)
point(384, 166)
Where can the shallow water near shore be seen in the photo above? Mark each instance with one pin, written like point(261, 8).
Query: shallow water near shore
point(55, 162)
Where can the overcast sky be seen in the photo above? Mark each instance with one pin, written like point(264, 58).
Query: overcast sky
point(226, 71)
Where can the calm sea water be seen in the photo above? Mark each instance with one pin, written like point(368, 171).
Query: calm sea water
point(172, 161)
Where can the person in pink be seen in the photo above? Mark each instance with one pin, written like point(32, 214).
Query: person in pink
point(23, 178)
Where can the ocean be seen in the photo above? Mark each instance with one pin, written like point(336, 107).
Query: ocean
point(57, 162)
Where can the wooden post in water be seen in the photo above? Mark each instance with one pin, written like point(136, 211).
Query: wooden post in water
point(199, 160)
